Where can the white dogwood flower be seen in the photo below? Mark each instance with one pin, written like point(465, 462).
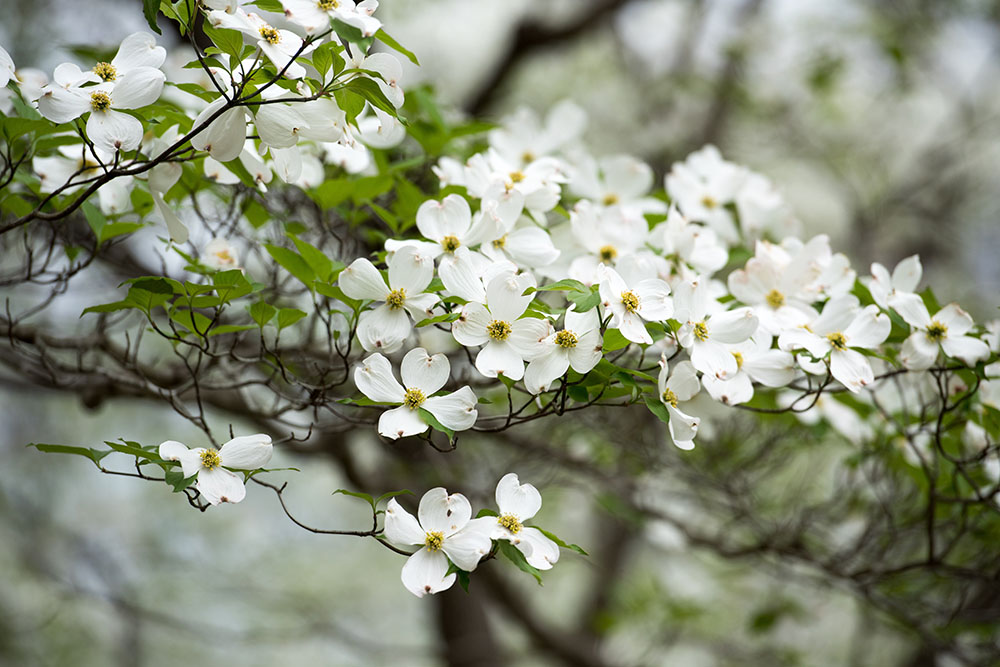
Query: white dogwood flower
point(946, 330)
point(388, 325)
point(577, 345)
point(630, 305)
point(707, 329)
point(497, 324)
point(517, 503)
point(839, 328)
point(314, 15)
point(423, 375)
point(904, 280)
point(216, 481)
point(676, 387)
point(445, 531)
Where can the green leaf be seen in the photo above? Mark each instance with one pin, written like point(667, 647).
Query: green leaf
point(132, 449)
point(176, 479)
point(230, 328)
point(321, 265)
point(447, 317)
point(94, 217)
point(584, 302)
point(229, 41)
point(149, 9)
point(432, 421)
point(392, 494)
point(108, 307)
point(357, 494)
point(94, 455)
point(332, 192)
point(386, 39)
point(512, 554)
point(148, 293)
point(261, 313)
point(293, 263)
point(270, 5)
point(567, 284)
point(657, 407)
point(560, 543)
point(614, 340)
point(289, 316)
point(369, 90)
point(113, 229)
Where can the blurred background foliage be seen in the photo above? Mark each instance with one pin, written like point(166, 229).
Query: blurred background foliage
point(879, 121)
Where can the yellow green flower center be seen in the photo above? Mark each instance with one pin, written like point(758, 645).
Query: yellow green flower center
point(567, 339)
point(396, 298)
point(224, 256)
point(327, 5)
point(210, 459)
point(669, 398)
point(739, 359)
point(775, 299)
point(516, 177)
point(270, 35)
point(709, 202)
point(450, 243)
point(414, 398)
point(106, 71)
point(510, 522)
point(608, 253)
point(936, 331)
point(100, 101)
point(498, 330)
point(610, 199)
point(434, 540)
point(837, 340)
point(701, 331)
point(630, 301)
point(500, 242)
point(528, 157)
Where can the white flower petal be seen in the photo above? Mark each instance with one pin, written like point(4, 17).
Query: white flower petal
point(912, 309)
point(375, 380)
point(500, 357)
point(470, 328)
point(468, 546)
point(970, 350)
point(401, 527)
point(734, 326)
point(139, 50)
point(542, 553)
point(361, 280)
point(137, 88)
point(424, 573)
point(410, 269)
point(400, 422)
point(851, 368)
point(247, 452)
point(505, 295)
point(383, 329)
point(422, 371)
point(456, 411)
point(439, 511)
point(521, 500)
point(113, 130)
point(957, 320)
point(655, 304)
point(221, 486)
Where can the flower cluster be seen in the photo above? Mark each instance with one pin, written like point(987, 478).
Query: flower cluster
point(448, 535)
